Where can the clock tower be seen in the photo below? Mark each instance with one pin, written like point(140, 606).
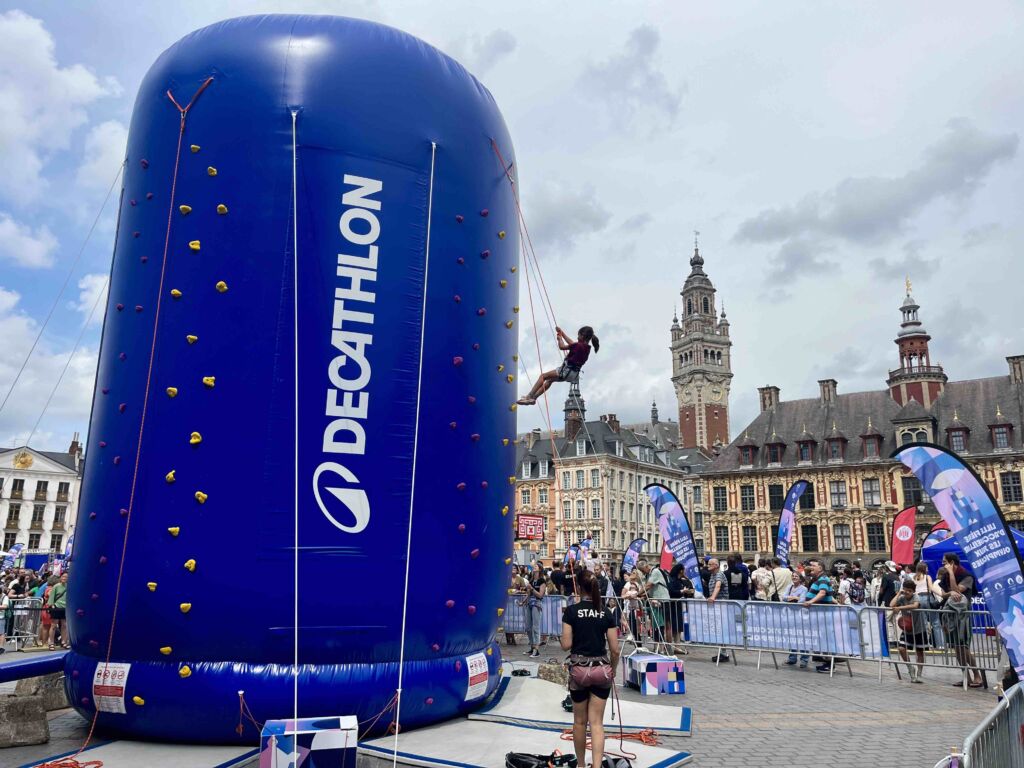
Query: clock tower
point(701, 362)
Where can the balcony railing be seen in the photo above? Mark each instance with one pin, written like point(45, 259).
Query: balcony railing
point(40, 495)
point(16, 493)
point(915, 370)
point(36, 525)
point(62, 497)
point(58, 525)
point(12, 522)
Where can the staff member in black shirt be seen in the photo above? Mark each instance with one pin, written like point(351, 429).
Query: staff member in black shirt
point(589, 632)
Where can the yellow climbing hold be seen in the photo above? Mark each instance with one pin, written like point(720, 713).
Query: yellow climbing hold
point(194, 245)
point(194, 148)
point(501, 367)
point(501, 611)
point(191, 339)
point(513, 407)
point(515, 310)
point(503, 283)
point(504, 510)
point(222, 209)
point(185, 209)
point(138, 700)
point(151, 586)
point(508, 561)
point(516, 358)
point(512, 270)
point(166, 650)
point(209, 381)
point(201, 497)
point(172, 391)
point(185, 607)
point(195, 438)
point(211, 171)
point(175, 293)
point(512, 480)
point(190, 565)
point(504, 441)
point(174, 530)
point(508, 323)
point(489, 651)
point(510, 378)
point(184, 672)
point(169, 477)
point(221, 286)
point(501, 236)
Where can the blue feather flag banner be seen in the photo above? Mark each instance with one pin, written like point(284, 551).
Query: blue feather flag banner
point(571, 554)
point(675, 531)
point(787, 520)
point(981, 532)
point(632, 554)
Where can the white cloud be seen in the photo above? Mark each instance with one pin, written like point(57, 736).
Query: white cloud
point(91, 290)
point(103, 153)
point(24, 246)
point(41, 104)
point(478, 53)
point(558, 215)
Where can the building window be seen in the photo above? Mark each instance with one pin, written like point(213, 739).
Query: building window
point(566, 509)
point(622, 480)
point(749, 538)
point(630, 482)
point(835, 450)
point(542, 495)
point(581, 447)
point(809, 538)
point(722, 538)
point(721, 498)
point(906, 438)
point(631, 511)
point(1010, 482)
point(543, 549)
point(13, 513)
point(33, 540)
point(876, 537)
point(595, 478)
point(595, 508)
point(958, 440)
point(805, 451)
point(912, 492)
point(544, 468)
point(746, 455)
point(581, 509)
point(55, 541)
point(697, 493)
point(872, 492)
point(775, 538)
point(747, 498)
point(10, 539)
point(841, 531)
point(42, 486)
point(698, 521)
point(17, 488)
point(62, 491)
point(776, 497)
point(580, 478)
point(525, 471)
point(775, 454)
point(1001, 437)
point(618, 448)
point(525, 497)
point(707, 306)
point(37, 513)
point(698, 544)
point(566, 480)
point(837, 492)
point(807, 497)
point(870, 448)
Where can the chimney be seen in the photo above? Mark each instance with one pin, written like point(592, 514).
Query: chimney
point(828, 390)
point(532, 439)
point(613, 422)
point(1016, 369)
point(573, 425)
point(769, 397)
point(75, 448)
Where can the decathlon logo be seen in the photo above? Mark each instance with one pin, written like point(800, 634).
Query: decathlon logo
point(904, 532)
point(348, 503)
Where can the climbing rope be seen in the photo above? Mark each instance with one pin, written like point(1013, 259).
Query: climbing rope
point(295, 344)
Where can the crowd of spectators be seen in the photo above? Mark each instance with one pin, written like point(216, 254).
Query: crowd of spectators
point(25, 592)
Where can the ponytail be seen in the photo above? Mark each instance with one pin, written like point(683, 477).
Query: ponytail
point(587, 585)
point(588, 334)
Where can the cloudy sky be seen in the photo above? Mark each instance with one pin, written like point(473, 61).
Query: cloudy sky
point(823, 149)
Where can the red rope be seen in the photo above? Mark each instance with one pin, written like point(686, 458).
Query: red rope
point(72, 761)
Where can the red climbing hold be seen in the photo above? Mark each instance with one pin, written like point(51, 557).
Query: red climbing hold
point(117, 459)
point(452, 425)
point(138, 307)
point(458, 666)
point(136, 234)
point(470, 609)
point(459, 218)
point(474, 437)
point(74, 674)
point(435, 647)
point(471, 399)
point(475, 554)
point(461, 486)
point(476, 345)
point(458, 299)
point(144, 163)
point(103, 559)
point(449, 604)
point(80, 612)
point(94, 596)
point(94, 643)
point(483, 484)
point(105, 390)
point(144, 259)
point(481, 311)
point(456, 360)
point(462, 527)
point(124, 512)
point(122, 407)
point(92, 515)
point(120, 307)
point(485, 253)
point(103, 444)
point(85, 700)
point(428, 701)
point(484, 213)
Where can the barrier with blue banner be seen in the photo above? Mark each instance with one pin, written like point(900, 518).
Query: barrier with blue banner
point(552, 608)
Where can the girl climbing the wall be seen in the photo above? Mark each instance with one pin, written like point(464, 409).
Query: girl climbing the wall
point(569, 370)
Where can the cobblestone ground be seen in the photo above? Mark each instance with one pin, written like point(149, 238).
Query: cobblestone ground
point(792, 718)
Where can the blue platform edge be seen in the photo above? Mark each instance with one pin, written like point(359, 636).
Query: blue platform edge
point(34, 665)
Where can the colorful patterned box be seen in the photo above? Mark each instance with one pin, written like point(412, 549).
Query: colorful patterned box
point(320, 742)
point(652, 673)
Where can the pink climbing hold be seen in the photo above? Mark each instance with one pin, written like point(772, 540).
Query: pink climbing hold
point(458, 299)
point(475, 554)
point(462, 527)
point(85, 700)
point(136, 234)
point(94, 596)
point(80, 612)
point(74, 674)
point(132, 202)
point(456, 360)
point(471, 399)
point(428, 701)
point(124, 512)
point(476, 345)
point(449, 604)
point(123, 356)
point(103, 444)
point(435, 647)
point(484, 213)
point(470, 609)
point(459, 218)
point(483, 484)
point(105, 390)
point(460, 260)
point(138, 307)
point(458, 666)
point(485, 253)
point(144, 163)
point(149, 195)
point(474, 437)
point(92, 515)
point(117, 459)
point(122, 407)
point(452, 425)
point(144, 259)
point(461, 486)
point(94, 643)
point(481, 311)
point(103, 559)
point(120, 307)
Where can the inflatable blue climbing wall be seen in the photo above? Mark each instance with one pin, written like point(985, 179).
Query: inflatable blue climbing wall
point(372, 167)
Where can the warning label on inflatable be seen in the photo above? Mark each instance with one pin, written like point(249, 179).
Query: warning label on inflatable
point(108, 686)
point(476, 671)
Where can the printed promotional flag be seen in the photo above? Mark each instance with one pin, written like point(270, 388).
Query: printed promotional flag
point(12, 555)
point(585, 546)
point(977, 523)
point(903, 536)
point(666, 558)
point(787, 520)
point(632, 554)
point(675, 531)
point(939, 532)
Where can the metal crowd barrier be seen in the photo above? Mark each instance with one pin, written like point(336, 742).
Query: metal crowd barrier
point(21, 620)
point(996, 742)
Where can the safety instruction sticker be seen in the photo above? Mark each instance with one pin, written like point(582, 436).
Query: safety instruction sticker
point(476, 671)
point(108, 684)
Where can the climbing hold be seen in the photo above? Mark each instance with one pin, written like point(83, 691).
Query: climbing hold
point(476, 345)
point(123, 512)
point(459, 218)
point(428, 701)
point(501, 235)
point(515, 310)
point(474, 554)
point(122, 407)
point(191, 339)
point(80, 612)
point(503, 283)
point(471, 399)
point(449, 604)
point(474, 437)
point(504, 441)
point(460, 487)
point(512, 407)
point(512, 269)
point(138, 307)
point(117, 459)
point(144, 163)
point(103, 444)
point(211, 171)
point(221, 286)
point(120, 307)
point(458, 299)
point(222, 209)
point(169, 477)
point(175, 293)
point(462, 527)
point(143, 259)
point(511, 480)
point(458, 666)
point(501, 367)
point(105, 390)
point(456, 361)
point(185, 607)
point(508, 323)
point(151, 586)
point(123, 356)
point(485, 253)
point(194, 245)
point(103, 559)
point(484, 213)
point(174, 530)
point(185, 209)
point(190, 565)
point(166, 650)
point(452, 425)
point(481, 311)
point(515, 358)
point(172, 391)
point(92, 515)
point(136, 234)
point(470, 609)
point(501, 611)
point(510, 378)
point(184, 672)
point(483, 484)
point(508, 561)
point(85, 700)
point(94, 643)
point(195, 438)
point(132, 202)
point(149, 195)
point(504, 510)
point(209, 381)
point(94, 596)
point(194, 148)
point(201, 497)
point(435, 647)
point(138, 700)
point(490, 652)
point(460, 260)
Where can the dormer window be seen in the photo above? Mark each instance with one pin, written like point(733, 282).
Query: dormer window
point(871, 447)
point(806, 451)
point(544, 468)
point(957, 439)
point(836, 450)
point(1001, 434)
point(618, 448)
point(747, 455)
point(526, 470)
point(581, 447)
point(775, 451)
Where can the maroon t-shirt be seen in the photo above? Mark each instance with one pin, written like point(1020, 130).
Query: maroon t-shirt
point(579, 351)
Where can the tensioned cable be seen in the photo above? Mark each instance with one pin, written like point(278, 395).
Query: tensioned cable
point(415, 446)
point(67, 279)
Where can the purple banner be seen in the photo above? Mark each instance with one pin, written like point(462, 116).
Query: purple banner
point(675, 531)
point(981, 532)
point(787, 520)
point(632, 554)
